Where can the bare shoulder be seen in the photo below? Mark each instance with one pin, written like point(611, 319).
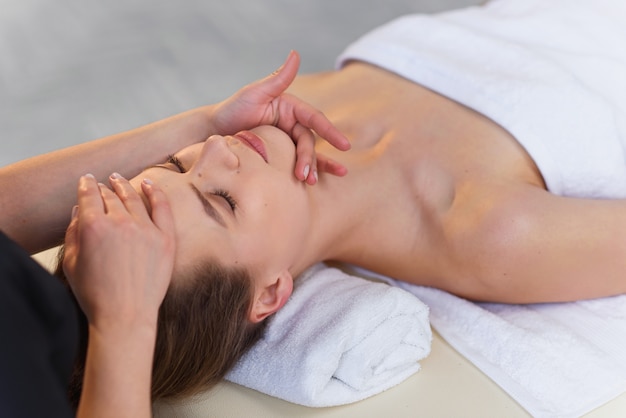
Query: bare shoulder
point(519, 243)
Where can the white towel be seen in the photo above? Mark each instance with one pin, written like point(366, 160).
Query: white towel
point(338, 339)
point(557, 360)
point(550, 72)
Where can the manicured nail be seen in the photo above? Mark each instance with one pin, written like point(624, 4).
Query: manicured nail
point(116, 176)
point(315, 175)
point(89, 175)
point(148, 182)
point(74, 211)
point(306, 171)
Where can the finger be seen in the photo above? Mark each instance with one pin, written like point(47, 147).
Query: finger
point(305, 152)
point(89, 198)
point(277, 82)
point(314, 119)
point(267, 89)
point(129, 197)
point(112, 203)
point(330, 166)
point(160, 209)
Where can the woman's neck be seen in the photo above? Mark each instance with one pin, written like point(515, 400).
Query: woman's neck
point(343, 209)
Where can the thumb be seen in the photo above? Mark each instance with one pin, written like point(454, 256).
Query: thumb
point(276, 83)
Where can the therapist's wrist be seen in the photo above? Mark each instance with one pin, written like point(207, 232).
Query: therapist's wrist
point(199, 126)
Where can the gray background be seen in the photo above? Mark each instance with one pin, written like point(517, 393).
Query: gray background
point(75, 70)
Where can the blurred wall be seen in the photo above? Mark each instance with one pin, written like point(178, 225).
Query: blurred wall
point(74, 70)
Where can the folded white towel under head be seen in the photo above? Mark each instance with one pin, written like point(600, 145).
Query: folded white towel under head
point(339, 339)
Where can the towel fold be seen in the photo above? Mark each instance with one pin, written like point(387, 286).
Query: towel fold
point(339, 339)
point(557, 360)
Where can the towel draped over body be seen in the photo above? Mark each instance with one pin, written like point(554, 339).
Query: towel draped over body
point(551, 72)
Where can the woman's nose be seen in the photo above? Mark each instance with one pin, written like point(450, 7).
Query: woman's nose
point(217, 152)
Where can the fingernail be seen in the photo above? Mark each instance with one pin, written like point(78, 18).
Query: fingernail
point(278, 70)
point(306, 171)
point(315, 175)
point(74, 211)
point(89, 175)
point(116, 176)
point(147, 181)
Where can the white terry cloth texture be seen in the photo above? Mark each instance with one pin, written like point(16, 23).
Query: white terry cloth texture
point(556, 360)
point(339, 339)
point(551, 72)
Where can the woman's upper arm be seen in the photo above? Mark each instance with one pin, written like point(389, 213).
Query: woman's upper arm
point(533, 246)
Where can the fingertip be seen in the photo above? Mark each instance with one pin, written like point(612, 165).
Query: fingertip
point(299, 173)
point(147, 186)
point(347, 144)
point(341, 142)
point(312, 178)
point(160, 210)
point(86, 180)
point(293, 54)
point(289, 69)
point(337, 169)
point(103, 189)
point(154, 194)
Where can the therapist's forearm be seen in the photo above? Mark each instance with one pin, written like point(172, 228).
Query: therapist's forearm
point(37, 194)
point(118, 374)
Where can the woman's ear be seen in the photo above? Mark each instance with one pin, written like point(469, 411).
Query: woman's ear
point(271, 297)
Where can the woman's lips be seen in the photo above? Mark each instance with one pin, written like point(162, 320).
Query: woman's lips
point(253, 141)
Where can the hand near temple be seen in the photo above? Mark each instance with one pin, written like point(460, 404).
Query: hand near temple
point(119, 258)
point(119, 255)
point(264, 103)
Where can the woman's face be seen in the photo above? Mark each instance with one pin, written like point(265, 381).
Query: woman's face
point(235, 198)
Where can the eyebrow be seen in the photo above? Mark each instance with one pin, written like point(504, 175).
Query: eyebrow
point(208, 207)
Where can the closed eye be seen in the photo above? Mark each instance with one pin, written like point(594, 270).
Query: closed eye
point(175, 161)
point(172, 159)
point(227, 197)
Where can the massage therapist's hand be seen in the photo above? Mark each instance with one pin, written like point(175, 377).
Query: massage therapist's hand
point(265, 103)
point(119, 256)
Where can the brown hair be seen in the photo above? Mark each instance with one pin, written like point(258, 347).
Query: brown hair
point(203, 329)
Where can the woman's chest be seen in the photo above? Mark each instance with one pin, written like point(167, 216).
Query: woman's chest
point(418, 131)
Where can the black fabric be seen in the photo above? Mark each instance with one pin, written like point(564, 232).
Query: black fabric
point(39, 331)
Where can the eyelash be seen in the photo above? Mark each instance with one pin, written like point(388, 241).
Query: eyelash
point(227, 197)
point(172, 159)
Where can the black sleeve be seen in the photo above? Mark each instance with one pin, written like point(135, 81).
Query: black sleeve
point(39, 337)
